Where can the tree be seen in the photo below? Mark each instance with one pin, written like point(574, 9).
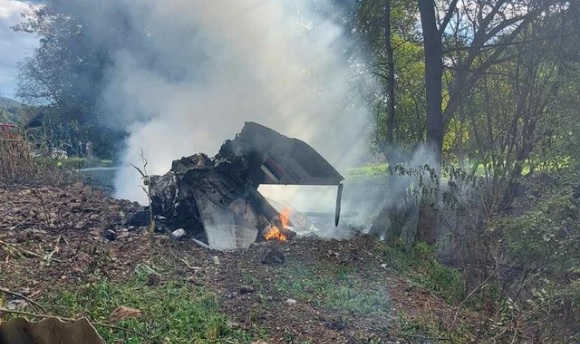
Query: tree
point(433, 74)
point(387, 27)
point(66, 73)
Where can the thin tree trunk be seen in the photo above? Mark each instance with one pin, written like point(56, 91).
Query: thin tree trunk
point(433, 76)
point(390, 76)
point(428, 217)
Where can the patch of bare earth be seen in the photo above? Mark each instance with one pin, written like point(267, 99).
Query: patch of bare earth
point(296, 291)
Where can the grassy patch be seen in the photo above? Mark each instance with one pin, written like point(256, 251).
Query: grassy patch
point(332, 287)
point(428, 328)
point(78, 163)
point(368, 170)
point(173, 312)
point(419, 265)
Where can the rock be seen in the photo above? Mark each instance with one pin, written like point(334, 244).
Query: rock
point(291, 302)
point(216, 260)
point(123, 234)
point(110, 234)
point(178, 234)
point(153, 279)
point(246, 289)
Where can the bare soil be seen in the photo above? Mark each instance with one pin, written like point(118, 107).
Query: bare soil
point(307, 289)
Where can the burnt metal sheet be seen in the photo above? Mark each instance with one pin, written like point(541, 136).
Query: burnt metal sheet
point(227, 228)
point(278, 159)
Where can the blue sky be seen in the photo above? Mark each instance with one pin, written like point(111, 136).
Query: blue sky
point(14, 46)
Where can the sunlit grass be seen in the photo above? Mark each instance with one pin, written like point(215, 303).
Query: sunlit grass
point(334, 288)
point(173, 312)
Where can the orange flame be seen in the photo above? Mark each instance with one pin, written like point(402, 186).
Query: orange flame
point(274, 233)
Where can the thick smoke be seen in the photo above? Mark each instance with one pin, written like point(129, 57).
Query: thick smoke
point(219, 63)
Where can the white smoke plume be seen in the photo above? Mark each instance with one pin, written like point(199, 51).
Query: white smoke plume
point(220, 63)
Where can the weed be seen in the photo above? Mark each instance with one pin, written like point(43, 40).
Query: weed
point(173, 312)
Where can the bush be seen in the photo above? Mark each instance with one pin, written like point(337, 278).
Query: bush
point(543, 242)
point(17, 166)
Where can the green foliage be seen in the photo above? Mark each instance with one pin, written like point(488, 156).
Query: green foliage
point(173, 312)
point(547, 235)
point(545, 241)
point(66, 73)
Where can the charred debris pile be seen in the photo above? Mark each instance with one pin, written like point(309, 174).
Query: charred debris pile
point(216, 200)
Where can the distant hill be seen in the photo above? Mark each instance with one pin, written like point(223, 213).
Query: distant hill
point(9, 110)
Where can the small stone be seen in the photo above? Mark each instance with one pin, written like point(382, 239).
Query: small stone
point(216, 260)
point(246, 289)
point(153, 279)
point(291, 302)
point(110, 234)
point(122, 234)
point(178, 233)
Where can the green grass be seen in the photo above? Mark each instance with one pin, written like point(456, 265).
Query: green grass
point(332, 287)
point(173, 312)
point(78, 163)
point(75, 162)
point(373, 170)
point(368, 170)
point(418, 264)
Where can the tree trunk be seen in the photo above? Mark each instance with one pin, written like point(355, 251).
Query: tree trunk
point(390, 76)
point(428, 217)
point(433, 76)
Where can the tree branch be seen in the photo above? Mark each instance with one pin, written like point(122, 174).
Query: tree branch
point(447, 17)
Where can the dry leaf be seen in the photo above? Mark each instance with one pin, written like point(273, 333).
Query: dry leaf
point(123, 312)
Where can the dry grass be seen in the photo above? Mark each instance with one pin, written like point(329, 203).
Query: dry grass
point(18, 166)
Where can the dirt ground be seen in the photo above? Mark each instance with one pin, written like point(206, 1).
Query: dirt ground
point(304, 290)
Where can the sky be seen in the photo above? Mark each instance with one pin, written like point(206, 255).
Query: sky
point(14, 46)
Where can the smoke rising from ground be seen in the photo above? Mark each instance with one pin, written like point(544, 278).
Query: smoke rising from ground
point(219, 63)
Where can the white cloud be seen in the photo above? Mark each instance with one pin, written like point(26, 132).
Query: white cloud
point(11, 8)
point(13, 45)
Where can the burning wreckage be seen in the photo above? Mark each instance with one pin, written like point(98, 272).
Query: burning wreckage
point(216, 200)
